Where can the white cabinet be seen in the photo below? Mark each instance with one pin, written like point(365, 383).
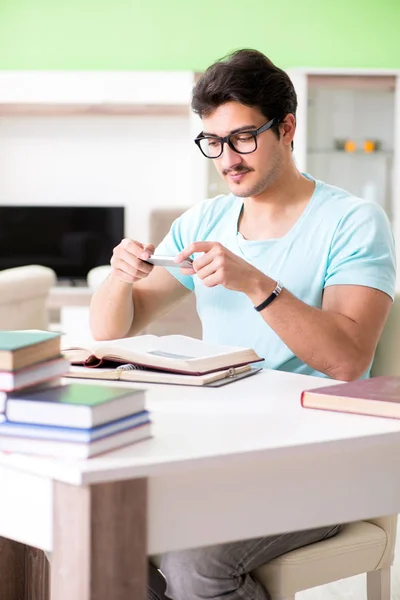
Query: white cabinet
point(348, 133)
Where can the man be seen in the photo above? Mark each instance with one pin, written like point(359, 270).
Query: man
point(316, 263)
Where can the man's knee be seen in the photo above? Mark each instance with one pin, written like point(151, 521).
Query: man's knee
point(197, 573)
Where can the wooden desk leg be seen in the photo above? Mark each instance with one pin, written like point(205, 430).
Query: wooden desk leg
point(24, 572)
point(12, 570)
point(99, 541)
point(36, 575)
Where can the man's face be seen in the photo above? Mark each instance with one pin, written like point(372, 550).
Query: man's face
point(246, 174)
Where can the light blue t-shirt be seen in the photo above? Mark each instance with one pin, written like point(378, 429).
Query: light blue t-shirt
point(339, 239)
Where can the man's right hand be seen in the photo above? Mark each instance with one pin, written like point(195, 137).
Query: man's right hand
point(128, 259)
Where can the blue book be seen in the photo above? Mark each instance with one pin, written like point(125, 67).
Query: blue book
point(72, 434)
point(77, 449)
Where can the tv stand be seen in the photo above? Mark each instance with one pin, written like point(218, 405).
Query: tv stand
point(69, 295)
point(68, 310)
point(71, 282)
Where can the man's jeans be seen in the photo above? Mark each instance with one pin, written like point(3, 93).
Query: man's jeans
point(223, 572)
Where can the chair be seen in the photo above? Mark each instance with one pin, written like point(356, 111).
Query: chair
point(361, 547)
point(23, 297)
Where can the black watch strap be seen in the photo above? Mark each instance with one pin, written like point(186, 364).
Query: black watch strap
point(271, 297)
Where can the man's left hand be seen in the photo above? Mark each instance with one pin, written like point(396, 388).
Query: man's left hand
point(219, 266)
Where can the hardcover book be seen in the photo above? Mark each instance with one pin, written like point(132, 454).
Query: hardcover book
point(378, 396)
point(172, 353)
point(74, 405)
point(19, 349)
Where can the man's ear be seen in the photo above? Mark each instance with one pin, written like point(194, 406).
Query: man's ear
point(287, 129)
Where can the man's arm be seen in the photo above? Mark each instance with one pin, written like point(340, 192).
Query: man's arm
point(120, 309)
point(339, 339)
point(134, 294)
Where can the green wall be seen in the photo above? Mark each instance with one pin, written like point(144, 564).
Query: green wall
point(187, 34)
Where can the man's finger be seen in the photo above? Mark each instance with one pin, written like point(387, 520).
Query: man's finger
point(147, 251)
point(132, 246)
point(194, 247)
point(187, 271)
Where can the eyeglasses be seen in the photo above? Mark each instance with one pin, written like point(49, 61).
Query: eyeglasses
point(242, 142)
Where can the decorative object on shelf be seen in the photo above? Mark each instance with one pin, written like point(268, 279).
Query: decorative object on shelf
point(346, 145)
point(339, 144)
point(350, 146)
point(370, 146)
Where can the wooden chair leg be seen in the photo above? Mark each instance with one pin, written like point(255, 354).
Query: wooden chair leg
point(378, 584)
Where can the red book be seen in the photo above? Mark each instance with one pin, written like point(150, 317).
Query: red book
point(378, 397)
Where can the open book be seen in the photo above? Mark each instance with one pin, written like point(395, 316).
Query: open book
point(176, 354)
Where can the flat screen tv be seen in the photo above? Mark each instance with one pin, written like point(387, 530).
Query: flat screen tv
point(69, 239)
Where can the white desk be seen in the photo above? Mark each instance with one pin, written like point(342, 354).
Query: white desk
point(236, 462)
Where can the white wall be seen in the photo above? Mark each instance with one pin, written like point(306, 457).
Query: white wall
point(135, 161)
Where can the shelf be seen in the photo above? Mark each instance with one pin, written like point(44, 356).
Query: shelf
point(384, 153)
point(86, 93)
point(73, 109)
point(367, 82)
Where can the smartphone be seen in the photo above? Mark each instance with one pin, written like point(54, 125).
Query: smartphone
point(168, 261)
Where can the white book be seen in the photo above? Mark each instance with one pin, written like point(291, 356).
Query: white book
point(33, 374)
point(74, 450)
point(72, 434)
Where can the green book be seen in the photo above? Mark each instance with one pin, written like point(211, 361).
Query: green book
point(19, 349)
point(77, 405)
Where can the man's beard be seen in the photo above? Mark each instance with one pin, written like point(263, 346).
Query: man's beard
point(245, 190)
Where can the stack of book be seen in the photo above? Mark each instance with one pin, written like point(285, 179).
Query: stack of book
point(74, 420)
point(28, 358)
point(39, 414)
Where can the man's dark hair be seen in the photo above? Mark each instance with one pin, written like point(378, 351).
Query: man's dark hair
point(250, 78)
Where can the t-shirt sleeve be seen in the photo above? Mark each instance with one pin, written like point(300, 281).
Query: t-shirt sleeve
point(362, 250)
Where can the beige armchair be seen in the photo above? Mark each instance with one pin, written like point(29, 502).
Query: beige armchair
point(361, 547)
point(23, 297)
point(387, 356)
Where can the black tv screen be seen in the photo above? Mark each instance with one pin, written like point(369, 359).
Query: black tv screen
point(69, 239)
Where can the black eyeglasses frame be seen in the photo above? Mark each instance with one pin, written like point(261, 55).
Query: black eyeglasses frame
point(227, 140)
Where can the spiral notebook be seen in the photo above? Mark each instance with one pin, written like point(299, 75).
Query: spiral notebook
point(135, 373)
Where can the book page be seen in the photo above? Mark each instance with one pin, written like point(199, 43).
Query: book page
point(189, 348)
point(179, 352)
point(170, 346)
point(141, 343)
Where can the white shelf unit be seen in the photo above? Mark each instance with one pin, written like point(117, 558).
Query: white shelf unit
point(337, 105)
